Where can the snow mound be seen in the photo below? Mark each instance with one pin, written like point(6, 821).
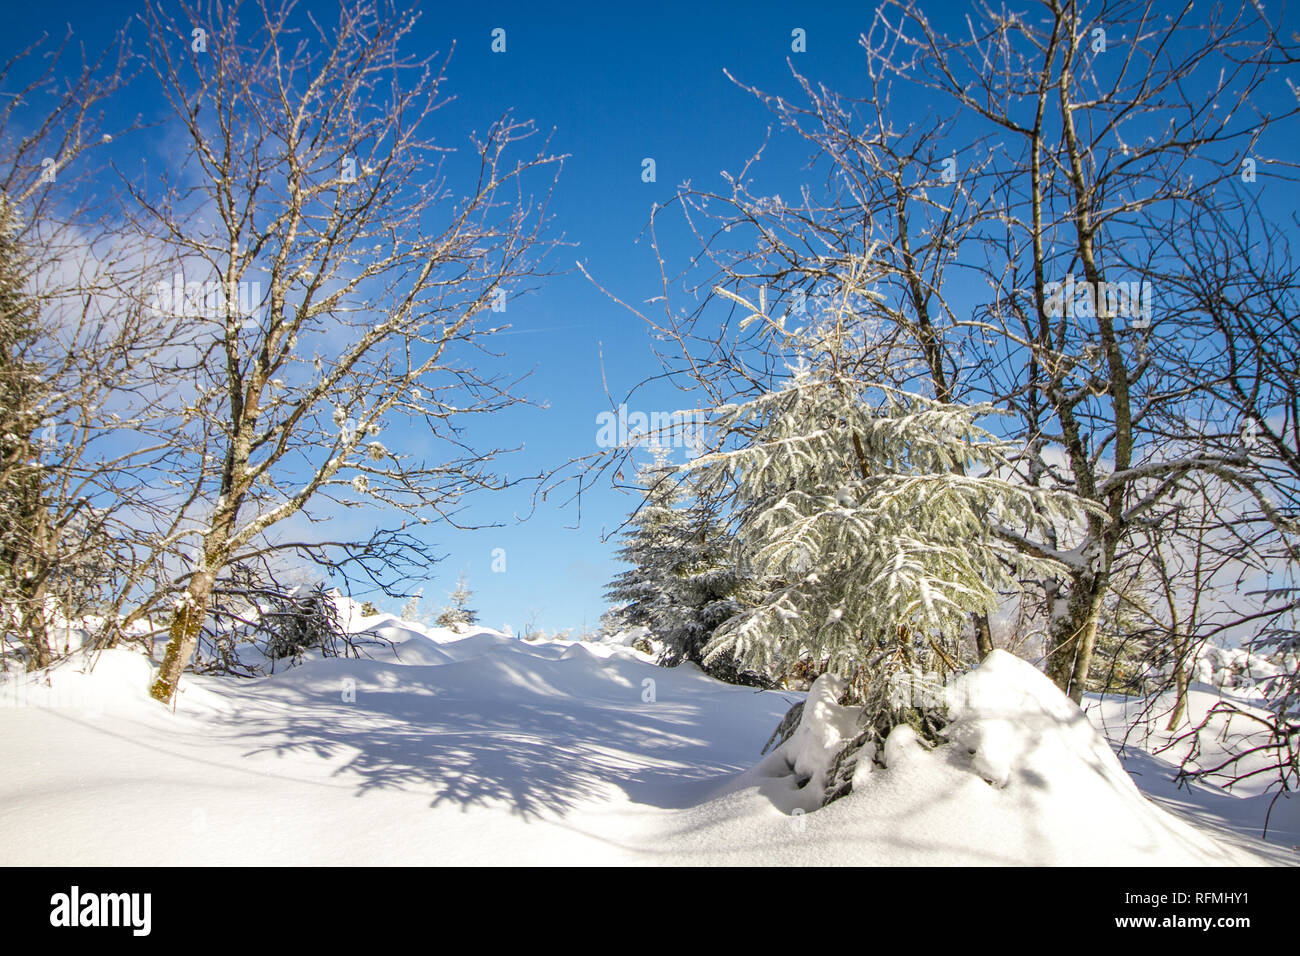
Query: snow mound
point(84, 683)
point(1025, 779)
point(809, 753)
point(1137, 728)
point(1018, 727)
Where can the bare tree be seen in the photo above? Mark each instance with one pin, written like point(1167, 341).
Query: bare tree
point(311, 185)
point(76, 348)
point(1236, 283)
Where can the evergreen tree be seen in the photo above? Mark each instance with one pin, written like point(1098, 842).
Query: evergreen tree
point(458, 614)
point(685, 581)
point(1127, 643)
point(869, 510)
point(651, 545)
point(707, 587)
point(411, 609)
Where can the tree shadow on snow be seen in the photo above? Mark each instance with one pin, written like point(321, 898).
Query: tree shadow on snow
point(530, 743)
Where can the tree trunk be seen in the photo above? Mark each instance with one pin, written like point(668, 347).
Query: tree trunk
point(29, 568)
point(187, 621)
point(1180, 684)
point(32, 632)
point(983, 635)
point(33, 626)
point(183, 636)
point(1072, 634)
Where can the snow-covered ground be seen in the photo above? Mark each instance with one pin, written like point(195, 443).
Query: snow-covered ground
point(483, 748)
point(1136, 728)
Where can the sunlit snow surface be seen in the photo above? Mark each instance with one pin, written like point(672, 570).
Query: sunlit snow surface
point(488, 749)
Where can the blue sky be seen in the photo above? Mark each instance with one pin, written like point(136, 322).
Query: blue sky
point(618, 83)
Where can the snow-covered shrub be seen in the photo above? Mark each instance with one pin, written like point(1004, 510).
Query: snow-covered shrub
point(814, 736)
point(257, 622)
point(1242, 669)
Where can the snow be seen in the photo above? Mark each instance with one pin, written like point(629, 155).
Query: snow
point(902, 748)
point(1234, 668)
point(1137, 729)
point(480, 748)
point(823, 731)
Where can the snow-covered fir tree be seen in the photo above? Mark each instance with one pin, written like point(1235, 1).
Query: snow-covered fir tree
point(706, 587)
point(654, 533)
point(867, 512)
point(411, 609)
point(684, 581)
point(458, 615)
point(703, 587)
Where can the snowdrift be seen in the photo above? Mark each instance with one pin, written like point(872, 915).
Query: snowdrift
point(479, 748)
point(1025, 779)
